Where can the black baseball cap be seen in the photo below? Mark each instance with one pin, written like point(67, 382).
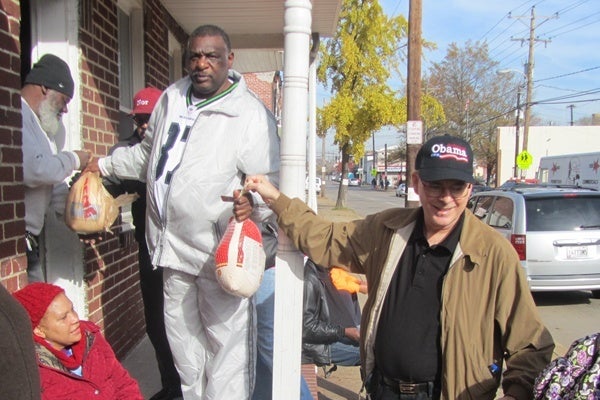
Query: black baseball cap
point(445, 157)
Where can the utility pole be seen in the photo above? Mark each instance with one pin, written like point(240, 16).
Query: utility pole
point(571, 106)
point(323, 165)
point(374, 158)
point(529, 71)
point(517, 127)
point(385, 177)
point(413, 94)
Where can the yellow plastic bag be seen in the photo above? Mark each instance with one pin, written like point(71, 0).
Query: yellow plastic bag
point(90, 208)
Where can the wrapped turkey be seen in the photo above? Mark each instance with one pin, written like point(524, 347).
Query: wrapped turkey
point(90, 208)
point(240, 258)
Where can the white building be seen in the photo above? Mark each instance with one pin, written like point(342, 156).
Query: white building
point(543, 141)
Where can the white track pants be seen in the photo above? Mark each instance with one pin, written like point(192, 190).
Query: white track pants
point(212, 335)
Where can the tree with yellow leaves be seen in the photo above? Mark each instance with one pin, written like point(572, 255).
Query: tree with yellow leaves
point(356, 65)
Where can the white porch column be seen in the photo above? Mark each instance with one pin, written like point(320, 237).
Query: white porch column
point(312, 133)
point(289, 280)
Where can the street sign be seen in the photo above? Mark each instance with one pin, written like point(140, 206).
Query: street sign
point(524, 160)
point(374, 172)
point(414, 132)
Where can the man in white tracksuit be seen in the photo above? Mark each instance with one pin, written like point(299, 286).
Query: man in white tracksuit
point(206, 131)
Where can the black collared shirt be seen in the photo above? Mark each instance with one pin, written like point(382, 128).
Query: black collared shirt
point(407, 345)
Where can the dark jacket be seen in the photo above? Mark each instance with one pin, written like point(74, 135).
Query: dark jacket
point(117, 187)
point(19, 377)
point(317, 332)
point(104, 378)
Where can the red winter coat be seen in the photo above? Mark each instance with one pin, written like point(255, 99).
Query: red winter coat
point(103, 378)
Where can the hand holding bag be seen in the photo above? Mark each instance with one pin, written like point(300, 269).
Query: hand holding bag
point(90, 208)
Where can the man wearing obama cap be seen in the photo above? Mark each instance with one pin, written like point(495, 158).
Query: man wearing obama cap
point(449, 312)
point(47, 91)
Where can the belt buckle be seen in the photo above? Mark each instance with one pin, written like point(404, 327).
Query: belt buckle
point(408, 388)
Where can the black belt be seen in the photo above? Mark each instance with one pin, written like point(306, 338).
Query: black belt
point(407, 387)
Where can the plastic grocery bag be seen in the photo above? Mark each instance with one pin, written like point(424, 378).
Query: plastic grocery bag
point(90, 208)
point(240, 258)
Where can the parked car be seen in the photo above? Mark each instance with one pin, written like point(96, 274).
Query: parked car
point(317, 184)
point(555, 231)
point(353, 182)
point(479, 187)
point(518, 182)
point(401, 190)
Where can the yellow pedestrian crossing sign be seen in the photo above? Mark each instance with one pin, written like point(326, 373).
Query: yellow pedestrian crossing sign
point(524, 160)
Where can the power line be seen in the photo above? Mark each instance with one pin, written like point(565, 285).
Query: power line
point(569, 74)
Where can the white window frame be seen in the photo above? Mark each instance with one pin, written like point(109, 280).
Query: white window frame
point(175, 60)
point(136, 65)
point(134, 61)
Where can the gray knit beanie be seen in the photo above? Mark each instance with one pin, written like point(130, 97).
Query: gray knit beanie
point(52, 72)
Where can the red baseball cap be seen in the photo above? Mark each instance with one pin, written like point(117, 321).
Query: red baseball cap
point(145, 100)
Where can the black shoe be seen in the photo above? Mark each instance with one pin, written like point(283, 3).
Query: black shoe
point(168, 394)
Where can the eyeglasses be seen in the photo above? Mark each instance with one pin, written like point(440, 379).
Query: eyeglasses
point(141, 119)
point(456, 189)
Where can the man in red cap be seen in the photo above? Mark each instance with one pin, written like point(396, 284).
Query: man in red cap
point(151, 279)
point(74, 359)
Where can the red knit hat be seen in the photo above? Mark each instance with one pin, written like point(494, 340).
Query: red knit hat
point(36, 297)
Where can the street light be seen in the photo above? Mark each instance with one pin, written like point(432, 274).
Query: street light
point(526, 127)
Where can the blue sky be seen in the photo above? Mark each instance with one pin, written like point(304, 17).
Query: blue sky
point(567, 65)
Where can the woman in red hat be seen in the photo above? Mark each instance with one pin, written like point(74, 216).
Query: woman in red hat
point(74, 359)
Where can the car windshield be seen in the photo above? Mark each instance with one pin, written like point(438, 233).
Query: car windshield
point(563, 213)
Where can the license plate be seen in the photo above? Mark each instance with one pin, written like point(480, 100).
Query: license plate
point(577, 252)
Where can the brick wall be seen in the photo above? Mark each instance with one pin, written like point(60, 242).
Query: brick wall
point(157, 25)
point(309, 372)
point(113, 296)
point(261, 84)
point(113, 283)
point(13, 263)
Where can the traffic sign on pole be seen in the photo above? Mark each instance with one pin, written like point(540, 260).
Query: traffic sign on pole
point(414, 132)
point(524, 160)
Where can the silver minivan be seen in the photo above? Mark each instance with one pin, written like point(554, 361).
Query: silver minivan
point(555, 231)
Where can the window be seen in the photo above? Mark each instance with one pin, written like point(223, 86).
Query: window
point(125, 71)
point(131, 69)
point(480, 206)
point(502, 213)
point(562, 213)
point(175, 59)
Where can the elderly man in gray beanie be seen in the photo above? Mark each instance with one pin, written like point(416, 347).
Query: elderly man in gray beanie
point(47, 90)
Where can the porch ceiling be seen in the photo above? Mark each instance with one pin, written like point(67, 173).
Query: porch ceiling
point(254, 26)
